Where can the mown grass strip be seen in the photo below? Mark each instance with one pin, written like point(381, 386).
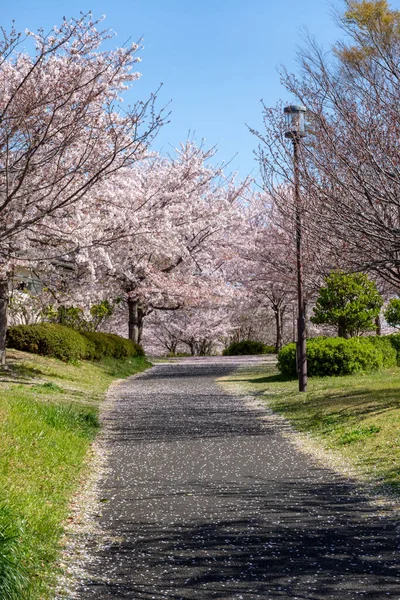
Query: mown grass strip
point(357, 416)
point(48, 417)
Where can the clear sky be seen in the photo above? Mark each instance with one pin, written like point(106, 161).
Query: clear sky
point(215, 58)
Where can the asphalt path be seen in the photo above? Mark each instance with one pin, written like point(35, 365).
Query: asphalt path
point(204, 499)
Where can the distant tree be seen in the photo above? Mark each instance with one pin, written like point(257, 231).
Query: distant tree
point(392, 312)
point(351, 302)
point(348, 164)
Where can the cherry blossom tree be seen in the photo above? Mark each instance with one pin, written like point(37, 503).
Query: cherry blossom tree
point(349, 161)
point(185, 329)
point(268, 261)
point(62, 133)
point(172, 221)
point(251, 318)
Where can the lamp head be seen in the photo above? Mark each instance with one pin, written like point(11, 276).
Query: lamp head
point(295, 117)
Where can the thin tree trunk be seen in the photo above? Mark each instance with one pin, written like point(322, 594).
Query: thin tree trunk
point(378, 325)
point(172, 347)
point(3, 320)
point(141, 317)
point(135, 321)
point(279, 329)
point(342, 332)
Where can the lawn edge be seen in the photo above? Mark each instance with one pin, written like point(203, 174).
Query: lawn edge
point(82, 529)
point(312, 446)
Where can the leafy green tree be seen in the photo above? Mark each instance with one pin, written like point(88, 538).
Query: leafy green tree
point(102, 311)
point(74, 316)
point(351, 302)
point(392, 312)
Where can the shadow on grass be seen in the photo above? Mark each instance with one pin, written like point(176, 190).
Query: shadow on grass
point(17, 373)
point(360, 403)
point(272, 378)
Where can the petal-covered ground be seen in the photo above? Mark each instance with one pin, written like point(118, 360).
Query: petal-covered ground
point(205, 500)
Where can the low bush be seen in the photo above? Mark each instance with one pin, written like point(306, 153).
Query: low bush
point(269, 349)
point(287, 360)
point(58, 341)
point(336, 356)
point(384, 344)
point(247, 347)
point(394, 339)
point(49, 339)
point(111, 345)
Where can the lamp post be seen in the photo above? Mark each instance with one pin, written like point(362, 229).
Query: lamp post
point(295, 122)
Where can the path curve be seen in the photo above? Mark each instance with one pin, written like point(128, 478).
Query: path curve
point(205, 500)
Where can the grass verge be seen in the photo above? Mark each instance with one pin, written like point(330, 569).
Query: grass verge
point(357, 417)
point(48, 418)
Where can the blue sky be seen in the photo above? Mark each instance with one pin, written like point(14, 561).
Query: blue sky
point(215, 58)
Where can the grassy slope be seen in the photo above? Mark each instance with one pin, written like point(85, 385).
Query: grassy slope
point(48, 417)
point(357, 416)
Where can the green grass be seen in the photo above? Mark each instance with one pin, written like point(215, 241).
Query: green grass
point(357, 416)
point(48, 418)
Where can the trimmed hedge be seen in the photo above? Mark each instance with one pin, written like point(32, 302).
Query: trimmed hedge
point(338, 356)
point(64, 343)
point(269, 349)
point(109, 344)
point(50, 339)
point(247, 347)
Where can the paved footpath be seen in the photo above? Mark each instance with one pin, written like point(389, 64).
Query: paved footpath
point(207, 500)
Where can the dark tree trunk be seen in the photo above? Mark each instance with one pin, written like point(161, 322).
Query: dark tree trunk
point(136, 315)
point(307, 322)
point(192, 346)
point(278, 306)
point(3, 320)
point(342, 331)
point(279, 329)
point(205, 347)
point(172, 346)
point(378, 325)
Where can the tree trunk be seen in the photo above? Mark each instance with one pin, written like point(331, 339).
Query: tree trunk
point(279, 328)
point(205, 347)
point(342, 331)
point(172, 346)
point(3, 320)
point(307, 321)
point(378, 325)
point(136, 315)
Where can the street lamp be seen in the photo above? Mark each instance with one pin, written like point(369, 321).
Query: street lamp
point(295, 117)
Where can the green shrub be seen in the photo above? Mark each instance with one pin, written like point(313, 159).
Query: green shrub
point(111, 345)
point(245, 347)
point(269, 349)
point(336, 356)
point(50, 339)
point(394, 339)
point(58, 341)
point(392, 312)
point(287, 360)
point(389, 352)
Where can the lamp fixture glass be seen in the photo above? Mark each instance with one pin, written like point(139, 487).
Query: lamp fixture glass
point(295, 118)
